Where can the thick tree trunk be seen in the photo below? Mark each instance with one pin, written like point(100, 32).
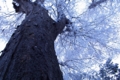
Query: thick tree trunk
point(30, 54)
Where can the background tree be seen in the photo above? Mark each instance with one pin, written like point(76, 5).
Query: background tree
point(110, 71)
point(90, 37)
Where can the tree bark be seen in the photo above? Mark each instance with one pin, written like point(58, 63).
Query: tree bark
point(30, 53)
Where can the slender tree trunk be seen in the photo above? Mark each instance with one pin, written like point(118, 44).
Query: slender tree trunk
point(30, 53)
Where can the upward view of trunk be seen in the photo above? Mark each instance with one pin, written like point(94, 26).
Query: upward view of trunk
point(30, 53)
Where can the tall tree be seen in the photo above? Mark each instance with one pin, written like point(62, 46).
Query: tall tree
point(30, 54)
point(89, 38)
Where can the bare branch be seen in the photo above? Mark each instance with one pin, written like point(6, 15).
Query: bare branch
point(94, 4)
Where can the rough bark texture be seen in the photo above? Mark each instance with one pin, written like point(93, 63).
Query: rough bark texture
point(30, 54)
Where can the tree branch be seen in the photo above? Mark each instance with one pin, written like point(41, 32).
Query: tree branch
point(94, 4)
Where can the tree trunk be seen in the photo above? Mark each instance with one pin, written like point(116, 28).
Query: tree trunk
point(30, 53)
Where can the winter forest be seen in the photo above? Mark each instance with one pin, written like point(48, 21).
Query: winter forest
point(59, 40)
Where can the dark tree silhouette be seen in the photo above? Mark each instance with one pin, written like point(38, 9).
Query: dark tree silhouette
point(30, 54)
point(110, 71)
